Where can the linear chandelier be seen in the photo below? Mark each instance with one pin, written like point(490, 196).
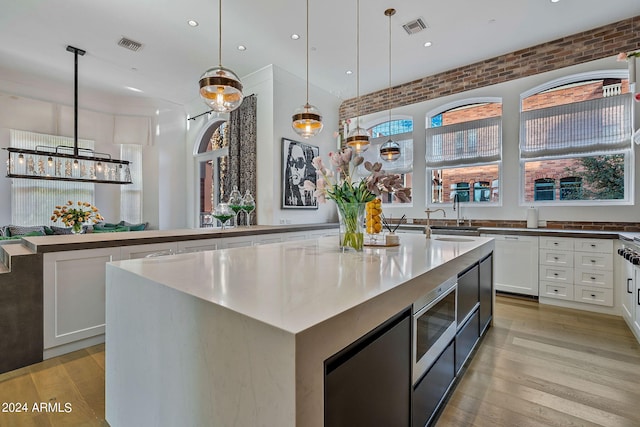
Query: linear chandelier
point(67, 163)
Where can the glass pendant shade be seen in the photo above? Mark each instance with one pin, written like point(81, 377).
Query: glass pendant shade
point(306, 121)
point(221, 89)
point(390, 151)
point(358, 140)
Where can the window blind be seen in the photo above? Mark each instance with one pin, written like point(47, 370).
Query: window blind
point(33, 200)
point(466, 143)
point(131, 194)
point(596, 125)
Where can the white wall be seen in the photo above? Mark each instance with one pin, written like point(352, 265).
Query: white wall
point(278, 93)
point(510, 207)
point(49, 110)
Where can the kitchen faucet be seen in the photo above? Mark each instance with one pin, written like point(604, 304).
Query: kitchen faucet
point(427, 229)
point(456, 201)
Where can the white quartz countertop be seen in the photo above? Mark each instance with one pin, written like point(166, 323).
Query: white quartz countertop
point(296, 285)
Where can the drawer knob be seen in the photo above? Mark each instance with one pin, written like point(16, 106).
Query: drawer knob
point(593, 246)
point(593, 295)
point(555, 274)
point(593, 260)
point(593, 278)
point(555, 243)
point(555, 258)
point(555, 290)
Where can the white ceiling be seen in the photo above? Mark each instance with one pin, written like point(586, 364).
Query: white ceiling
point(35, 33)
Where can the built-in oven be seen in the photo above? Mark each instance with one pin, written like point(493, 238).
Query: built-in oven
point(434, 325)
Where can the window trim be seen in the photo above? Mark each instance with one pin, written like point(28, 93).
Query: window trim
point(629, 154)
point(428, 181)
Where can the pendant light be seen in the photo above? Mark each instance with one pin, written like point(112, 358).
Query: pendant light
point(64, 162)
point(358, 139)
point(220, 88)
point(306, 120)
point(390, 150)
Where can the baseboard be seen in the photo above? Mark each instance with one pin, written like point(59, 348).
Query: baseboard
point(72, 346)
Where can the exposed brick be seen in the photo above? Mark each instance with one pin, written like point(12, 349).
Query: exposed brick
point(602, 42)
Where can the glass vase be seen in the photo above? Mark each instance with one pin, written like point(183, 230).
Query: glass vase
point(76, 228)
point(351, 218)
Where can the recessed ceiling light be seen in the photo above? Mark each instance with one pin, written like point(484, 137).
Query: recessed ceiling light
point(242, 47)
point(555, 1)
point(348, 72)
point(192, 23)
point(295, 36)
point(427, 44)
point(133, 89)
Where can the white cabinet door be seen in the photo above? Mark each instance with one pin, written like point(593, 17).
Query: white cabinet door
point(636, 302)
point(516, 264)
point(74, 295)
point(200, 245)
point(142, 251)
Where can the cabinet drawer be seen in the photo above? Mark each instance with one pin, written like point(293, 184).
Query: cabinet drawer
point(556, 290)
point(556, 258)
point(594, 245)
point(559, 243)
point(594, 260)
point(591, 277)
point(556, 274)
point(593, 295)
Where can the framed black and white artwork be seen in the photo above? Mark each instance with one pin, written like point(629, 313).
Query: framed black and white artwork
point(296, 169)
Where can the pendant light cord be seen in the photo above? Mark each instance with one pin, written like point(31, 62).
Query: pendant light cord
point(220, 33)
point(307, 53)
point(358, 63)
point(389, 91)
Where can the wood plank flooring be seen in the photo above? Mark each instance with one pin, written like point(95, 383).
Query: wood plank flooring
point(547, 366)
point(67, 391)
point(538, 366)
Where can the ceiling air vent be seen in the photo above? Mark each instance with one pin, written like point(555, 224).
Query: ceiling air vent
point(130, 44)
point(414, 26)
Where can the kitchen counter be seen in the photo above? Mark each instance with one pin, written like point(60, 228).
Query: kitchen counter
point(593, 234)
point(239, 336)
point(68, 242)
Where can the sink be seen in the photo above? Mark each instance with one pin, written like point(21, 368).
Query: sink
point(455, 230)
point(454, 239)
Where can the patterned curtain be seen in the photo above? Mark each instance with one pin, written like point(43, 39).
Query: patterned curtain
point(242, 149)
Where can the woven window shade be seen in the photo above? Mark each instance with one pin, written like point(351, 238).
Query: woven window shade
point(596, 125)
point(467, 143)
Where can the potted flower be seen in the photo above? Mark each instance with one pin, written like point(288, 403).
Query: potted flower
point(351, 193)
point(74, 217)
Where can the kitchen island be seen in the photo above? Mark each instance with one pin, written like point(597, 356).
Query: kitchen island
point(239, 337)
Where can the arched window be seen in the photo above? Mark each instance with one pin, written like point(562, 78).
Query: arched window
point(571, 188)
point(400, 131)
point(578, 130)
point(544, 189)
point(212, 158)
point(463, 146)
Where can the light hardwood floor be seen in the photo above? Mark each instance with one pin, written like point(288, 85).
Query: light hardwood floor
point(546, 366)
point(537, 366)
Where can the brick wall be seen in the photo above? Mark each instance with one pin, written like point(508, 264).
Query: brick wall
point(602, 42)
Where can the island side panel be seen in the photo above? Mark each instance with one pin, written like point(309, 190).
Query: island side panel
point(318, 343)
point(173, 359)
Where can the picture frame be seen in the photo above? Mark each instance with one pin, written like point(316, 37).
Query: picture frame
point(296, 169)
